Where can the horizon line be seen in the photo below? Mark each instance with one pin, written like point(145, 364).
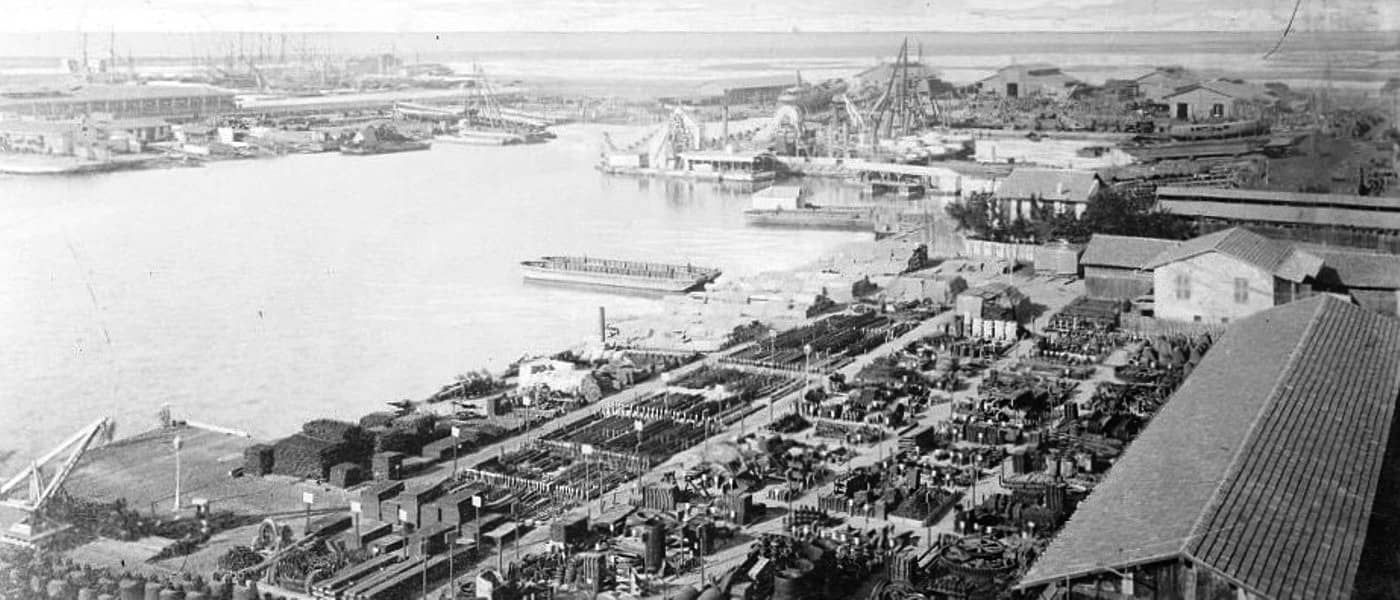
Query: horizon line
point(797, 31)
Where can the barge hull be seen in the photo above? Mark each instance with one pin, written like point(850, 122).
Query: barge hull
point(605, 280)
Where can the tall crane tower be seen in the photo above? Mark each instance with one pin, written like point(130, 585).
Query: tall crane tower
point(899, 111)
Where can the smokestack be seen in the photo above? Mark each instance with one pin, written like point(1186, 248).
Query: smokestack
point(602, 325)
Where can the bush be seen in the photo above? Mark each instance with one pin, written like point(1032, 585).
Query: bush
point(377, 419)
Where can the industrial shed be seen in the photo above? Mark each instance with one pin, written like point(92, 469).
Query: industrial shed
point(1258, 478)
point(1372, 280)
point(1116, 266)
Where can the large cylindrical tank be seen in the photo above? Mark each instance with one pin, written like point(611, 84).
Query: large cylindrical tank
point(712, 593)
point(87, 593)
point(171, 594)
point(688, 593)
point(787, 585)
point(152, 590)
point(131, 589)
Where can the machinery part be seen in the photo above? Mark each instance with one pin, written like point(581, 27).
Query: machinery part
point(680, 134)
point(31, 529)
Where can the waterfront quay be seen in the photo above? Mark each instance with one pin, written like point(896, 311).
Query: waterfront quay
point(1105, 345)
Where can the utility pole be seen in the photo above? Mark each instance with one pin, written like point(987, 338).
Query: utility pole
point(476, 504)
point(177, 443)
point(456, 443)
point(587, 451)
point(638, 425)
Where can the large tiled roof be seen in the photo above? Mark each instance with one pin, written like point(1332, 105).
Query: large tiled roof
point(1121, 251)
point(1262, 467)
point(1066, 185)
point(1273, 256)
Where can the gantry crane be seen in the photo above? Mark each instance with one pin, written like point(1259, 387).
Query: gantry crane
point(33, 528)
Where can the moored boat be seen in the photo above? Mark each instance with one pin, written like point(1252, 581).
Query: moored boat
point(613, 273)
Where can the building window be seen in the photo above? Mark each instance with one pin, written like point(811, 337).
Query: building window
point(1196, 318)
point(1241, 290)
point(1183, 286)
point(1217, 110)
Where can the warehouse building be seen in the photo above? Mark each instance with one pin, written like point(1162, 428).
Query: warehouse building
point(1228, 275)
point(1370, 223)
point(1062, 190)
point(121, 102)
point(1117, 266)
point(1371, 280)
point(1018, 81)
point(1260, 478)
point(1217, 99)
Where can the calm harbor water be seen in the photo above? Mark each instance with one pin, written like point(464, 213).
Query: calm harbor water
point(260, 294)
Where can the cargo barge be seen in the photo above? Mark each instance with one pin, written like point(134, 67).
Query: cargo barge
point(787, 206)
point(623, 274)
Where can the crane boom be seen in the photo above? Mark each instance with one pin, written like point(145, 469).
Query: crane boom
point(42, 488)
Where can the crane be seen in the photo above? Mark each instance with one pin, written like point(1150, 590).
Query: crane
point(33, 527)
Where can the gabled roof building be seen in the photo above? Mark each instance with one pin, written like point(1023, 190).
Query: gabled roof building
point(1229, 275)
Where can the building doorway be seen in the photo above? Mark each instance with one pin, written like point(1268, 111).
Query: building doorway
point(1013, 90)
point(1183, 111)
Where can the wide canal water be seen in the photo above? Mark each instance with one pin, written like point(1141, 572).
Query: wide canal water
point(260, 294)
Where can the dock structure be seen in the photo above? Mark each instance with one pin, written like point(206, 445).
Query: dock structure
point(282, 106)
point(876, 178)
point(744, 167)
point(122, 102)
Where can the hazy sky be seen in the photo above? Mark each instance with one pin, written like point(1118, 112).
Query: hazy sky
point(691, 15)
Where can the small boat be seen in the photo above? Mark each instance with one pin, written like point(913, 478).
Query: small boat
point(624, 274)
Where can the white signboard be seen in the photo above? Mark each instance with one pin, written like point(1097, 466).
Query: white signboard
point(308, 498)
point(587, 449)
point(476, 501)
point(355, 507)
point(403, 516)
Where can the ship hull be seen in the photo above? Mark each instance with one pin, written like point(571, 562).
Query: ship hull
point(607, 280)
point(810, 219)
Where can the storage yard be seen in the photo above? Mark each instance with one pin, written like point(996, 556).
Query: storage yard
point(954, 409)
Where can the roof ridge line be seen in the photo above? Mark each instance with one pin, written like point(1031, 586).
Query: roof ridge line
point(1272, 397)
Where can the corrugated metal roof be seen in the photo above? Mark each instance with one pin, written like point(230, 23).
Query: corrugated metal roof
point(1263, 466)
point(1265, 197)
point(1121, 251)
point(1302, 215)
point(1065, 185)
point(1273, 256)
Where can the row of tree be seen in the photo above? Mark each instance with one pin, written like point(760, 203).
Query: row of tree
point(982, 216)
